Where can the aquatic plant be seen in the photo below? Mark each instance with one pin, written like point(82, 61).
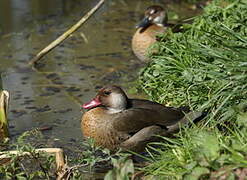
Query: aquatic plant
point(27, 163)
point(123, 168)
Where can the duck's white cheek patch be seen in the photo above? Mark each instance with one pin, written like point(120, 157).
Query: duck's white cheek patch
point(158, 19)
point(152, 11)
point(117, 100)
point(117, 103)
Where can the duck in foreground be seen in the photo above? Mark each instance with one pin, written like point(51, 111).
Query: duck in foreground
point(154, 23)
point(115, 121)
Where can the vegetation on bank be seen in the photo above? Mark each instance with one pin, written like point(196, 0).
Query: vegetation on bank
point(22, 166)
point(205, 67)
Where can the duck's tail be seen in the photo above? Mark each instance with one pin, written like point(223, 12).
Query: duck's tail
point(191, 117)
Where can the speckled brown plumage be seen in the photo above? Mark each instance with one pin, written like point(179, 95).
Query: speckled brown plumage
point(141, 41)
point(153, 23)
point(97, 124)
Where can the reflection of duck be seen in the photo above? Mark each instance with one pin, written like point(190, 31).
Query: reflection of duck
point(115, 121)
point(153, 24)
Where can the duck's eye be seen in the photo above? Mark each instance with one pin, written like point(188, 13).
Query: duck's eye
point(107, 93)
point(153, 11)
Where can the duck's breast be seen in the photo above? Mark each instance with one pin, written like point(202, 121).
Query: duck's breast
point(98, 124)
point(141, 41)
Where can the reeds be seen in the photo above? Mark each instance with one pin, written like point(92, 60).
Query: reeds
point(4, 101)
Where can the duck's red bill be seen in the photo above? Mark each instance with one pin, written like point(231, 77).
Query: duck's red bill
point(94, 103)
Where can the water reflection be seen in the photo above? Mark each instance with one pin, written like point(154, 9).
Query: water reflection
point(16, 14)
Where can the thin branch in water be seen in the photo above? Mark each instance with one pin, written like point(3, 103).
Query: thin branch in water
point(84, 37)
point(61, 38)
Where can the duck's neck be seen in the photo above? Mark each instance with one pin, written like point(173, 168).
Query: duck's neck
point(113, 110)
point(161, 25)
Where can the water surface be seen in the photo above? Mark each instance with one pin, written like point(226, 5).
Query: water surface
point(99, 53)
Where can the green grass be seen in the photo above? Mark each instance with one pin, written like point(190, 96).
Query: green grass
point(204, 67)
point(201, 153)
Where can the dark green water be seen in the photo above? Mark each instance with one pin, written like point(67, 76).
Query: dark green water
point(99, 53)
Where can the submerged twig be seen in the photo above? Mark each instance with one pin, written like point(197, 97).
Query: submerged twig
point(66, 34)
point(84, 37)
point(68, 171)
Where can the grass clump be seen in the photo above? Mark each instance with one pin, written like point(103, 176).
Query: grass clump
point(205, 66)
point(199, 153)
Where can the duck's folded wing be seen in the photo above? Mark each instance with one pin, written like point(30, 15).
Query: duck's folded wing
point(132, 120)
point(170, 115)
point(138, 141)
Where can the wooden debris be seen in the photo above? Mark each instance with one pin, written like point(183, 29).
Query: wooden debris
point(4, 103)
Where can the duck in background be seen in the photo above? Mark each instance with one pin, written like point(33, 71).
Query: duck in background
point(115, 121)
point(154, 23)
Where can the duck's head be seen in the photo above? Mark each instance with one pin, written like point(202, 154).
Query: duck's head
point(110, 97)
point(153, 15)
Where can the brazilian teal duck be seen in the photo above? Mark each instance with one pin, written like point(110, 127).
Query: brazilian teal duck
point(154, 23)
point(115, 121)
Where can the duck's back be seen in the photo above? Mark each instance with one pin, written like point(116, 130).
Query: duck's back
point(170, 115)
point(142, 40)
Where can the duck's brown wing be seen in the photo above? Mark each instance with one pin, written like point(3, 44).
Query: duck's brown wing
point(170, 115)
point(141, 103)
point(134, 119)
point(138, 141)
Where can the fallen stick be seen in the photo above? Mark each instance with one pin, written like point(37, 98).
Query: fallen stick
point(68, 171)
point(65, 35)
